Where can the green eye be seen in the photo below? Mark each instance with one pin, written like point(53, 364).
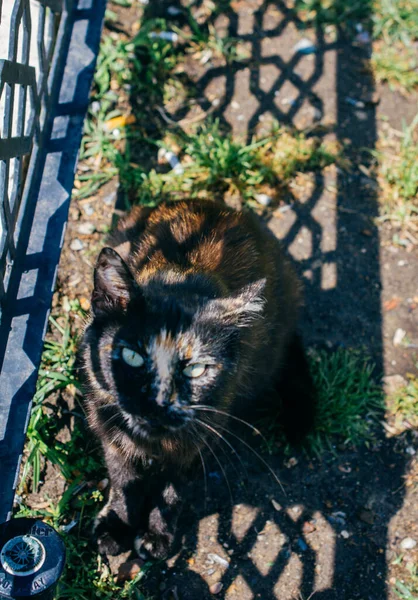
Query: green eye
point(195, 370)
point(132, 358)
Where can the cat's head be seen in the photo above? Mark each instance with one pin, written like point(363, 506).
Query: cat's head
point(157, 351)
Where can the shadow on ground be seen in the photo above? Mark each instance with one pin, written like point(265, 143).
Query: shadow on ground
point(326, 536)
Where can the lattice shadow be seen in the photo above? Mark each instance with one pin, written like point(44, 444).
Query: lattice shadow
point(331, 237)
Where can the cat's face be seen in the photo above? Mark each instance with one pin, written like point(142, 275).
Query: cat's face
point(163, 350)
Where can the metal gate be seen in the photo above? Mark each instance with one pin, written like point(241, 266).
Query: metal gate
point(48, 50)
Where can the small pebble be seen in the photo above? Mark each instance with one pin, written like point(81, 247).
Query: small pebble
point(345, 534)
point(210, 571)
point(218, 559)
point(408, 543)
point(276, 505)
point(86, 228)
point(76, 245)
point(216, 588)
point(410, 450)
point(398, 337)
point(110, 199)
point(263, 199)
point(88, 209)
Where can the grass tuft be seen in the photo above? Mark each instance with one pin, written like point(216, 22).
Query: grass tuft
point(397, 66)
point(392, 23)
point(349, 400)
point(215, 164)
point(398, 177)
point(402, 407)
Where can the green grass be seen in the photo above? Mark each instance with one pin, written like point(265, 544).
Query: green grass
point(402, 175)
point(392, 23)
point(217, 165)
point(349, 404)
point(85, 577)
point(56, 373)
point(407, 589)
point(402, 407)
point(350, 401)
point(398, 177)
point(397, 66)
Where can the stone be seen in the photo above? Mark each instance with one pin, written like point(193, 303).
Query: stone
point(408, 543)
point(76, 245)
point(216, 588)
point(86, 228)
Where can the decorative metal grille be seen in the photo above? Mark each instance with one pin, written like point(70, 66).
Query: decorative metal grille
point(47, 57)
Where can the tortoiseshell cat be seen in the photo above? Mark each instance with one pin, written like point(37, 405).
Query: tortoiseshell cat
point(194, 309)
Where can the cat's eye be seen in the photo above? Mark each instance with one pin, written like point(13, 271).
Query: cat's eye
point(132, 358)
point(195, 370)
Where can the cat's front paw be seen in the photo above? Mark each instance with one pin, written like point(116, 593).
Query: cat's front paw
point(157, 545)
point(112, 535)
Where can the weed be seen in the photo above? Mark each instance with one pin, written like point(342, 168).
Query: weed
point(396, 65)
point(393, 23)
point(403, 174)
point(402, 407)
point(335, 12)
point(398, 177)
point(216, 164)
point(349, 401)
point(85, 576)
point(56, 373)
point(407, 589)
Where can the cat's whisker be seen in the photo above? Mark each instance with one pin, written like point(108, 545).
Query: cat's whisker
point(265, 463)
point(220, 466)
point(221, 437)
point(205, 479)
point(227, 414)
point(110, 419)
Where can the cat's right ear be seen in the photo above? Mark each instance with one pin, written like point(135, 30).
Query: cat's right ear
point(114, 285)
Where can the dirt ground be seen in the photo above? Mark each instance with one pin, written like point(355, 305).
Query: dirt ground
point(335, 532)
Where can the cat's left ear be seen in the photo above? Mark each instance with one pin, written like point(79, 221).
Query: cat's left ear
point(238, 310)
point(114, 285)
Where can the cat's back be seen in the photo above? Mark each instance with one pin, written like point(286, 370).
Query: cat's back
point(201, 237)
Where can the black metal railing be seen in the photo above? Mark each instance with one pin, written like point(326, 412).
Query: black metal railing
point(48, 50)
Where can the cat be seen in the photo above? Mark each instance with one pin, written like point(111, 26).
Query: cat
point(194, 315)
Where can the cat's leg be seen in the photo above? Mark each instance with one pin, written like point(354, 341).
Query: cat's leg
point(297, 393)
point(118, 521)
point(162, 521)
